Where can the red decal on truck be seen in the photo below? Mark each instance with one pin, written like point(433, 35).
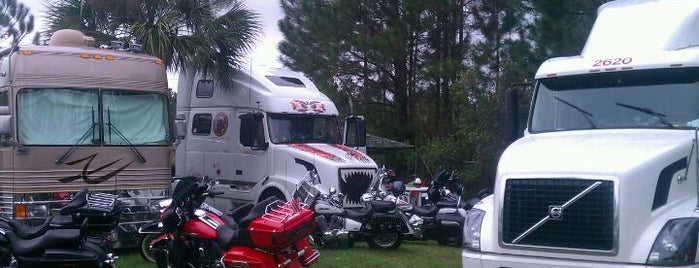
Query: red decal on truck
point(308, 106)
point(354, 153)
point(316, 151)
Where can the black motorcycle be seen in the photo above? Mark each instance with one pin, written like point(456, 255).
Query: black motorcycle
point(378, 222)
point(78, 237)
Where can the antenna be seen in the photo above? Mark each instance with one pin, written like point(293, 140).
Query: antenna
point(250, 84)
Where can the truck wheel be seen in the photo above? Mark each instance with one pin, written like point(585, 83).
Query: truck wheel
point(144, 242)
point(386, 239)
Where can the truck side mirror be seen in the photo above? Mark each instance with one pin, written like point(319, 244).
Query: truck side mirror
point(511, 115)
point(252, 131)
point(355, 131)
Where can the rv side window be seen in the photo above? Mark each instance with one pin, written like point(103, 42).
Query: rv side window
point(205, 89)
point(201, 124)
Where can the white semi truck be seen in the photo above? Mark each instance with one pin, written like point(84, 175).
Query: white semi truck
point(606, 173)
point(247, 136)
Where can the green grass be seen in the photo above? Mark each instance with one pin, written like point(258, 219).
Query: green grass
point(410, 254)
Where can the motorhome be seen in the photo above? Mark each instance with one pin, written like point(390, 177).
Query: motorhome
point(246, 136)
point(606, 174)
point(74, 116)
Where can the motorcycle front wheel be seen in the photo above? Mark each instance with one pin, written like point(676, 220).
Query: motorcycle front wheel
point(387, 239)
point(144, 242)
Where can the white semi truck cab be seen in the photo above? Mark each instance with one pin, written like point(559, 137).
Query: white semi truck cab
point(606, 173)
point(246, 136)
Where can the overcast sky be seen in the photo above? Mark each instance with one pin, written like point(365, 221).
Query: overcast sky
point(264, 51)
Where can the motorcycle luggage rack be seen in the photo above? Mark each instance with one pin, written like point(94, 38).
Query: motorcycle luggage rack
point(101, 201)
point(280, 211)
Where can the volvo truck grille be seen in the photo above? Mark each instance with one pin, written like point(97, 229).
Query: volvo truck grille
point(353, 183)
point(569, 214)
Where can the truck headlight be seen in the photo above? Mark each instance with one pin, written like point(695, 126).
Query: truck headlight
point(472, 229)
point(676, 243)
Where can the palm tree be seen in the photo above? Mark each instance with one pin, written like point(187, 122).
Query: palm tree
point(15, 22)
point(208, 36)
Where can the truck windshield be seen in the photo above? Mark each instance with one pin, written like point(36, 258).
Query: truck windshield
point(68, 116)
point(303, 128)
point(660, 98)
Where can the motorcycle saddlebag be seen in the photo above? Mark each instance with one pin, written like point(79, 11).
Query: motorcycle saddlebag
point(248, 257)
point(281, 226)
point(62, 258)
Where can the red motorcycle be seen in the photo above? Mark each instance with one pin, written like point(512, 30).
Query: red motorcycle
point(272, 233)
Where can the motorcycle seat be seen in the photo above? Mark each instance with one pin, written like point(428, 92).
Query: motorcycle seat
point(443, 204)
point(28, 232)
point(358, 213)
point(79, 200)
point(241, 212)
point(382, 206)
point(227, 236)
point(425, 211)
point(53, 238)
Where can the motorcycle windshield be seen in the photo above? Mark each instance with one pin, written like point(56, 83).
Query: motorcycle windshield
point(306, 192)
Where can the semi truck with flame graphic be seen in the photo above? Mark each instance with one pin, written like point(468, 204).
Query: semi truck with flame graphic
point(607, 172)
point(246, 137)
point(75, 116)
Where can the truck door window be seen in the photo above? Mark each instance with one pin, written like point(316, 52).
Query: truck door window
point(252, 131)
point(3, 99)
point(201, 124)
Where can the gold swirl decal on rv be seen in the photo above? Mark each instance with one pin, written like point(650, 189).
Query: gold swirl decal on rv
point(85, 174)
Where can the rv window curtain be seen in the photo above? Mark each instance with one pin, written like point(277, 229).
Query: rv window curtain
point(139, 117)
point(57, 116)
point(66, 116)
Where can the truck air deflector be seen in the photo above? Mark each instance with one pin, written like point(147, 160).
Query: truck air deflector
point(662, 189)
point(559, 213)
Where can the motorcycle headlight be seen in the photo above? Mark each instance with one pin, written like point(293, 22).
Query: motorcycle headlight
point(38, 211)
point(472, 229)
point(676, 243)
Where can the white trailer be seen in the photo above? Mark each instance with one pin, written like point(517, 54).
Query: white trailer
point(247, 136)
point(606, 173)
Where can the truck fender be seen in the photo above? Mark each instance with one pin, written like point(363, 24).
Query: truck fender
point(272, 186)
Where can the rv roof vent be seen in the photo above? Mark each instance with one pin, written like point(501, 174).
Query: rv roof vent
point(71, 38)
